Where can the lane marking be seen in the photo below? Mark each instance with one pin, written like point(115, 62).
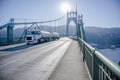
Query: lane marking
point(8, 63)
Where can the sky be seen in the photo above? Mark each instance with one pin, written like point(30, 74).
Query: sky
point(100, 13)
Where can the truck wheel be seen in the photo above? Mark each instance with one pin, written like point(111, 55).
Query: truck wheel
point(28, 43)
point(39, 40)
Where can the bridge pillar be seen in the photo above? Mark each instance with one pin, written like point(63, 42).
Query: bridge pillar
point(81, 29)
point(10, 31)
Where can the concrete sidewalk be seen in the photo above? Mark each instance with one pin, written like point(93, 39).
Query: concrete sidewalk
point(71, 66)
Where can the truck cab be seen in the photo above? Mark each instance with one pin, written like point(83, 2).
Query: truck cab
point(33, 36)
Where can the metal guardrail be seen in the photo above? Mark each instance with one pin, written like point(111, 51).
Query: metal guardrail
point(99, 66)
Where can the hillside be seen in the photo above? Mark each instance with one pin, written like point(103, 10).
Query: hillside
point(103, 36)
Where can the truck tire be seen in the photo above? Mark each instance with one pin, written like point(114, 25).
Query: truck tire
point(28, 43)
point(39, 41)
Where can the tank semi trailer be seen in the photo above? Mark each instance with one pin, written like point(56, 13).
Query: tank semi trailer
point(37, 36)
point(55, 35)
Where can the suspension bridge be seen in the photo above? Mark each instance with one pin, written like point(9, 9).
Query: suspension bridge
point(63, 59)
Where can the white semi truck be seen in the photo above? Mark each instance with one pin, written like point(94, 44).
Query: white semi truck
point(37, 36)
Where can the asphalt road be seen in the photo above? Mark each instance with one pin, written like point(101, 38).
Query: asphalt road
point(29, 62)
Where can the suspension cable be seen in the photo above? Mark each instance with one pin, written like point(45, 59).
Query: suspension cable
point(41, 21)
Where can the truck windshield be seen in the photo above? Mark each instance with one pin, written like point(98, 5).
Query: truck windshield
point(34, 32)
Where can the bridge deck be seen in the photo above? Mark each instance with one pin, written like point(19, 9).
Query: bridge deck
point(71, 66)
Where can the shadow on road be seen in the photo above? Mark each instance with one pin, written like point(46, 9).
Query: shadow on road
point(20, 47)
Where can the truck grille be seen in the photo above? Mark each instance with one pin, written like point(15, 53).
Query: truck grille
point(29, 38)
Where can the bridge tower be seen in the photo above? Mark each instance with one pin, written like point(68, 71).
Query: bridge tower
point(78, 20)
point(10, 30)
point(71, 16)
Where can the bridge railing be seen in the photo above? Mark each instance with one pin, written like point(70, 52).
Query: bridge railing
point(99, 67)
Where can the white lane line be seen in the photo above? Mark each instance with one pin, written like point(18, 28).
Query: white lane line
point(8, 63)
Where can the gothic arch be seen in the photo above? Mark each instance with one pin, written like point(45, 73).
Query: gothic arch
point(78, 20)
point(71, 16)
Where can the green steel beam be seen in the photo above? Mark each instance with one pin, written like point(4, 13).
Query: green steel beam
point(9, 34)
point(10, 30)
